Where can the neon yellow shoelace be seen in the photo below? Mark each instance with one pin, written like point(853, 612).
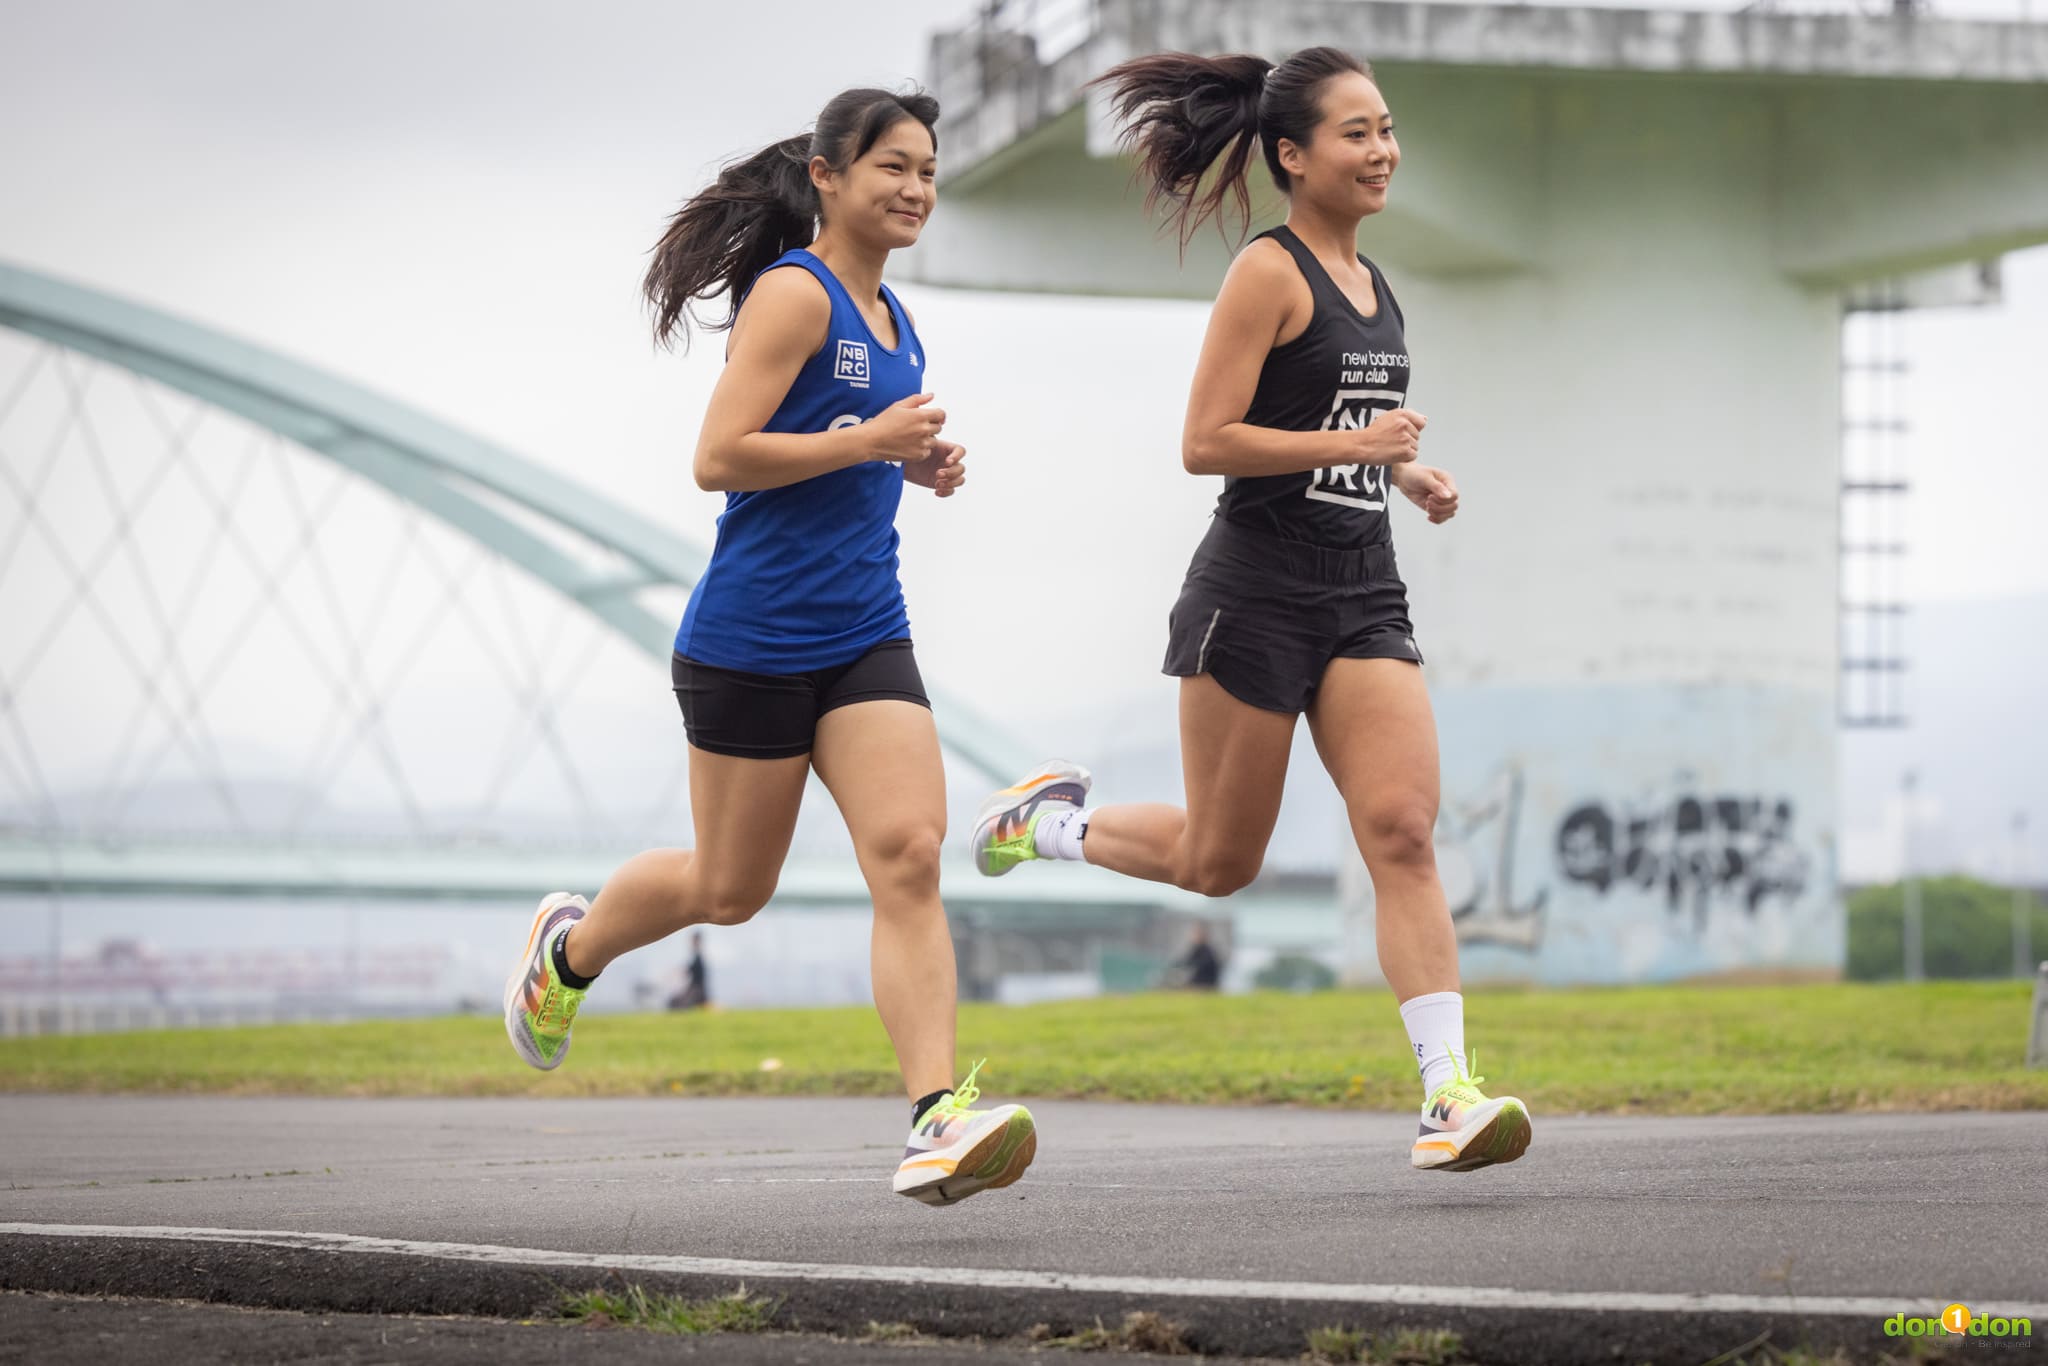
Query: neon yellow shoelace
point(1459, 1076)
point(964, 1095)
point(558, 1007)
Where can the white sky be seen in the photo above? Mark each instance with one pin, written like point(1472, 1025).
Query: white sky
point(451, 202)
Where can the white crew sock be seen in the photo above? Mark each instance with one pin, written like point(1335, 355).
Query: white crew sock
point(1436, 1026)
point(1059, 833)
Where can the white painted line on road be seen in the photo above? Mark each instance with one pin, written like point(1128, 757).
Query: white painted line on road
point(1154, 1287)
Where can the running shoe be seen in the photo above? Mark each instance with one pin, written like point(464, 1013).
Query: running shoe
point(539, 1006)
point(1463, 1129)
point(1005, 833)
point(956, 1150)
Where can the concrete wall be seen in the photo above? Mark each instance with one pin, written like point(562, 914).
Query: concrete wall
point(1632, 636)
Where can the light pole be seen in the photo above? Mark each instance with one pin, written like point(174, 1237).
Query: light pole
point(2022, 902)
point(1916, 963)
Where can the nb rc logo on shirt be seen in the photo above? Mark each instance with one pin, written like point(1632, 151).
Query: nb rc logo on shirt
point(851, 364)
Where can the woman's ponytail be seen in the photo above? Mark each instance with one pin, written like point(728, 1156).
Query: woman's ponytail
point(759, 207)
point(1181, 113)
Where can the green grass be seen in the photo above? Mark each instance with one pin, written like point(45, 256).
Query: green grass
point(1402, 1347)
point(636, 1308)
point(1142, 1331)
point(1649, 1050)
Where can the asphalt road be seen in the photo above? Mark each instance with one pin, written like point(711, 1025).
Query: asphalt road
point(1247, 1224)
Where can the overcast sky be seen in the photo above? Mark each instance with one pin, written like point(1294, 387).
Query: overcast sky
point(451, 202)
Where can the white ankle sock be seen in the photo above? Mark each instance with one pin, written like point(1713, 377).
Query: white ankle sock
point(1059, 834)
point(1436, 1023)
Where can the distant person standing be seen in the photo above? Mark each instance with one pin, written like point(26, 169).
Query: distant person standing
point(696, 991)
point(1199, 969)
point(794, 655)
point(1293, 604)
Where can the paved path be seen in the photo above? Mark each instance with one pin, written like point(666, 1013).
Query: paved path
point(1186, 1206)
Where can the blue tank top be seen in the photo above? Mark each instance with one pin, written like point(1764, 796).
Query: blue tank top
point(804, 577)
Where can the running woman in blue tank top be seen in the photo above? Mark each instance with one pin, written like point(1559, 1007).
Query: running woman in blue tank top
point(794, 654)
point(1293, 604)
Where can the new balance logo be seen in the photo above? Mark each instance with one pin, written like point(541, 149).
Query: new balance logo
point(850, 363)
point(1018, 818)
point(1440, 1111)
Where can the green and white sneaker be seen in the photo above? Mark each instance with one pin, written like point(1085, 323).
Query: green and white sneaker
point(1005, 833)
point(539, 1006)
point(957, 1151)
point(1463, 1128)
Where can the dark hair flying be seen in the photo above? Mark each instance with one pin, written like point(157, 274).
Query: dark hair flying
point(1181, 113)
point(762, 206)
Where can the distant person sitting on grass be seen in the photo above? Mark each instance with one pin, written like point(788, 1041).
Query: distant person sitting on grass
point(695, 992)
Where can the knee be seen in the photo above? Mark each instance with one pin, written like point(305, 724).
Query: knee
point(1219, 874)
point(1401, 831)
point(906, 856)
point(735, 903)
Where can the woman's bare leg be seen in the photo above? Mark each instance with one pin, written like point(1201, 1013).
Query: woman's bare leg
point(745, 813)
point(1373, 727)
point(1234, 758)
point(881, 762)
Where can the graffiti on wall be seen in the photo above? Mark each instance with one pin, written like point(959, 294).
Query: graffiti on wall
point(1692, 849)
point(1475, 850)
point(1690, 852)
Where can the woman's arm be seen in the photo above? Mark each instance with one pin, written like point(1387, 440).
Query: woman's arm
point(782, 325)
point(1260, 295)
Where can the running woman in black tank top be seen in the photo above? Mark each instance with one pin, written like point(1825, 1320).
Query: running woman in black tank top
point(1293, 603)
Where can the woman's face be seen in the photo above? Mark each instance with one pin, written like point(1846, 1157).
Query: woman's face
point(1351, 155)
point(885, 196)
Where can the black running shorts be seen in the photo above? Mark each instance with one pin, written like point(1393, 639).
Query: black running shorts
point(1264, 616)
point(775, 716)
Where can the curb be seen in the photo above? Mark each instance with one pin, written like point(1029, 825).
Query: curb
point(345, 1275)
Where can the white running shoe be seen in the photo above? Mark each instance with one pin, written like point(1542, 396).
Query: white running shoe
point(957, 1151)
point(1464, 1129)
point(1005, 832)
point(539, 1006)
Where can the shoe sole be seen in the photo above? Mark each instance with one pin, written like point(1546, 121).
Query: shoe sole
point(514, 1026)
point(995, 1161)
point(1503, 1138)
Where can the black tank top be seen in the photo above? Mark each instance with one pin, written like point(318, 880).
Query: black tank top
point(1341, 373)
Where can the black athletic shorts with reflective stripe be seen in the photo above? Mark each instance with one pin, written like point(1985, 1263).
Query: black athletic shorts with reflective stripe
point(775, 716)
point(1265, 616)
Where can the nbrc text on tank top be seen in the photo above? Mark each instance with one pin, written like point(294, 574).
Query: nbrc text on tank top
point(1339, 374)
point(804, 577)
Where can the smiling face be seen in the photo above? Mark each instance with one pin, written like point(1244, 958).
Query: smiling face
point(1349, 159)
point(885, 196)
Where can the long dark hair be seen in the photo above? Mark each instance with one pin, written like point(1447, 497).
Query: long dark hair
point(1181, 112)
point(761, 206)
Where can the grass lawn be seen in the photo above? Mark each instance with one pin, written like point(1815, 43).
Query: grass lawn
point(1642, 1050)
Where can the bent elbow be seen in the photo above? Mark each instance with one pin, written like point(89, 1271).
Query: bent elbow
point(710, 473)
point(1198, 455)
